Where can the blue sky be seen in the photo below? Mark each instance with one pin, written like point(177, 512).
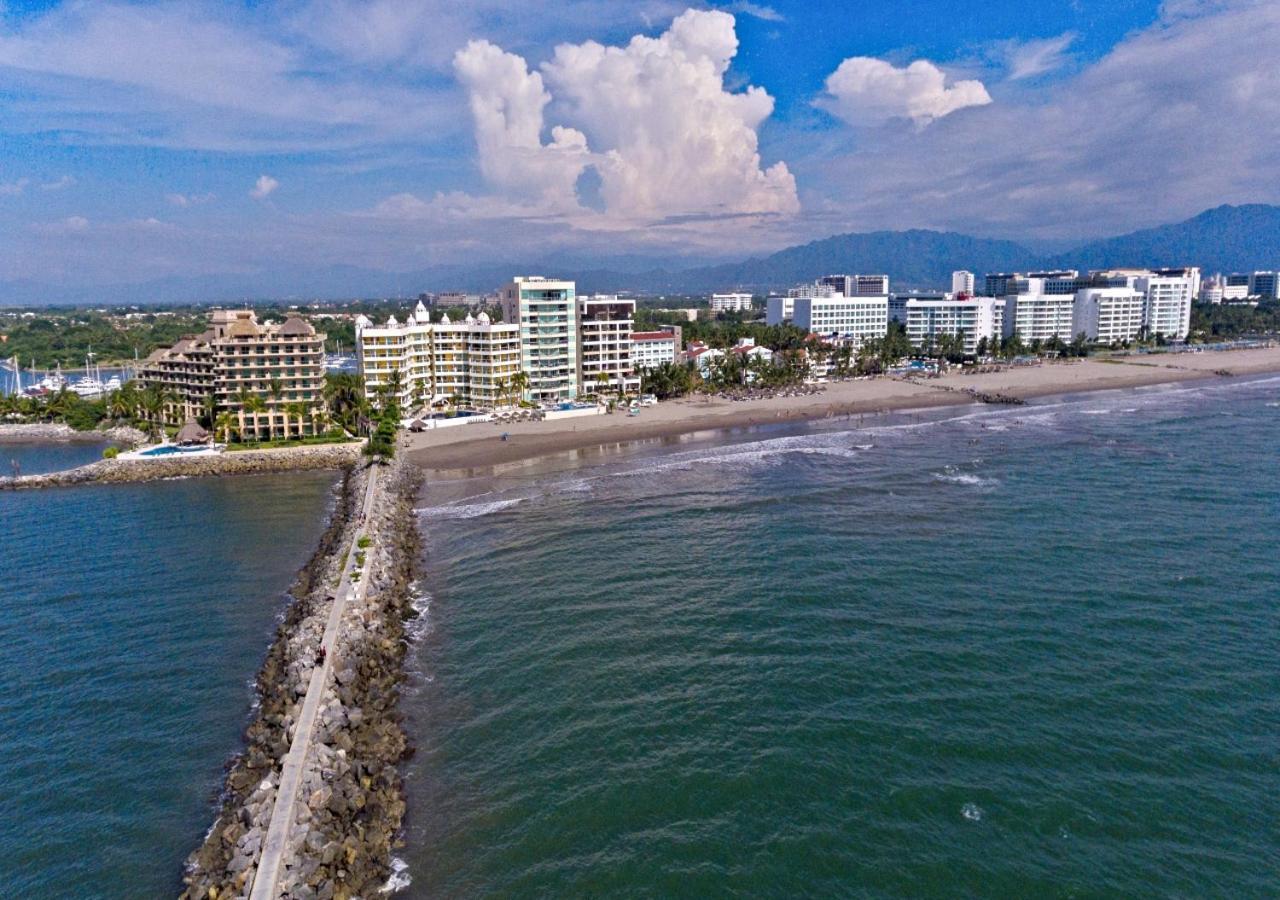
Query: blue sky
point(140, 140)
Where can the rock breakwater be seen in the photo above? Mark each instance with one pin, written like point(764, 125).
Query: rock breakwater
point(248, 462)
point(351, 803)
point(15, 433)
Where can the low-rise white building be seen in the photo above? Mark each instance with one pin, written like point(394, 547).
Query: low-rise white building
point(736, 302)
point(972, 319)
point(650, 349)
point(1109, 315)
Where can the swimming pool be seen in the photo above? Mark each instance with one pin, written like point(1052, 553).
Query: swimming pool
point(169, 449)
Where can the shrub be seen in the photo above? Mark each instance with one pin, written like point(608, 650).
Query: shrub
point(111, 453)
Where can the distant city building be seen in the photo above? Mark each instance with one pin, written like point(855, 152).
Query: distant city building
point(857, 285)
point(962, 282)
point(996, 284)
point(1236, 286)
point(1263, 285)
point(690, 315)
point(820, 288)
point(452, 299)
point(973, 319)
point(471, 361)
point(650, 349)
point(1211, 289)
point(778, 310)
point(238, 358)
point(730, 302)
point(606, 322)
point(546, 310)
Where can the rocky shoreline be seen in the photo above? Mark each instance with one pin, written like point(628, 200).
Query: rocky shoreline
point(352, 799)
point(246, 462)
point(123, 435)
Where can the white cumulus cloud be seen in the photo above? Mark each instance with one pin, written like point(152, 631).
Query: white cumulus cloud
point(264, 187)
point(864, 91)
point(653, 118)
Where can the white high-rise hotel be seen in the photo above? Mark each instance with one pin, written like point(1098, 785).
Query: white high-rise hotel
point(470, 361)
point(547, 313)
point(564, 344)
point(1111, 305)
point(845, 309)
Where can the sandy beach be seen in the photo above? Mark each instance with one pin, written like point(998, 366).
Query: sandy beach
point(476, 448)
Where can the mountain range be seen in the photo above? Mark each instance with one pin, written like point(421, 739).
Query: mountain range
point(1227, 238)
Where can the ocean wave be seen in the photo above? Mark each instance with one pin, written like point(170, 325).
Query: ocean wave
point(951, 476)
point(399, 878)
point(467, 510)
point(420, 625)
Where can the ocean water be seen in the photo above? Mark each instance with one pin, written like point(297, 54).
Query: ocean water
point(995, 652)
point(134, 620)
point(36, 458)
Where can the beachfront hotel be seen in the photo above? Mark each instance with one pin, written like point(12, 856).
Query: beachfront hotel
point(263, 373)
point(972, 319)
point(1109, 315)
point(546, 312)
point(468, 362)
point(1044, 305)
point(605, 323)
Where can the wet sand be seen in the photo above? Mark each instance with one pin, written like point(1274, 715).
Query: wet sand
point(475, 448)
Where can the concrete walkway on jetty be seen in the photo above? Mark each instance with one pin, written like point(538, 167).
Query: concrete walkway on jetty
point(283, 815)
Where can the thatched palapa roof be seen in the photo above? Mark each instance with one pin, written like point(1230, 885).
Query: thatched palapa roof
point(192, 433)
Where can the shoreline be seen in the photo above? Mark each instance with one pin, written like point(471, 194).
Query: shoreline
point(478, 449)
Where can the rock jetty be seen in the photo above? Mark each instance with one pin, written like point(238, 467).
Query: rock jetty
point(123, 435)
point(351, 800)
point(246, 462)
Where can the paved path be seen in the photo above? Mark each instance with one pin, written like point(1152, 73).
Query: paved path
point(267, 878)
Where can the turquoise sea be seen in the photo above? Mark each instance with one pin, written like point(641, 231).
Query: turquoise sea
point(994, 652)
point(134, 618)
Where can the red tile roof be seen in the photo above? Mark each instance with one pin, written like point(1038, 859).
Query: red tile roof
point(652, 336)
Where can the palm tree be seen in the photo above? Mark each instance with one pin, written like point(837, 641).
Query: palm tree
point(242, 406)
point(501, 386)
point(520, 383)
point(277, 394)
point(224, 424)
point(294, 410)
point(256, 404)
point(319, 418)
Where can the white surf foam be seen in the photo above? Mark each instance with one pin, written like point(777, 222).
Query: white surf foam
point(951, 476)
point(468, 510)
point(399, 879)
point(972, 812)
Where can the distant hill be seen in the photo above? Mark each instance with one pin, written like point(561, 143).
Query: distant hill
point(911, 258)
point(1225, 239)
point(1228, 238)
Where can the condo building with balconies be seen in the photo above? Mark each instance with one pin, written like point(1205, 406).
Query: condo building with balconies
point(270, 376)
